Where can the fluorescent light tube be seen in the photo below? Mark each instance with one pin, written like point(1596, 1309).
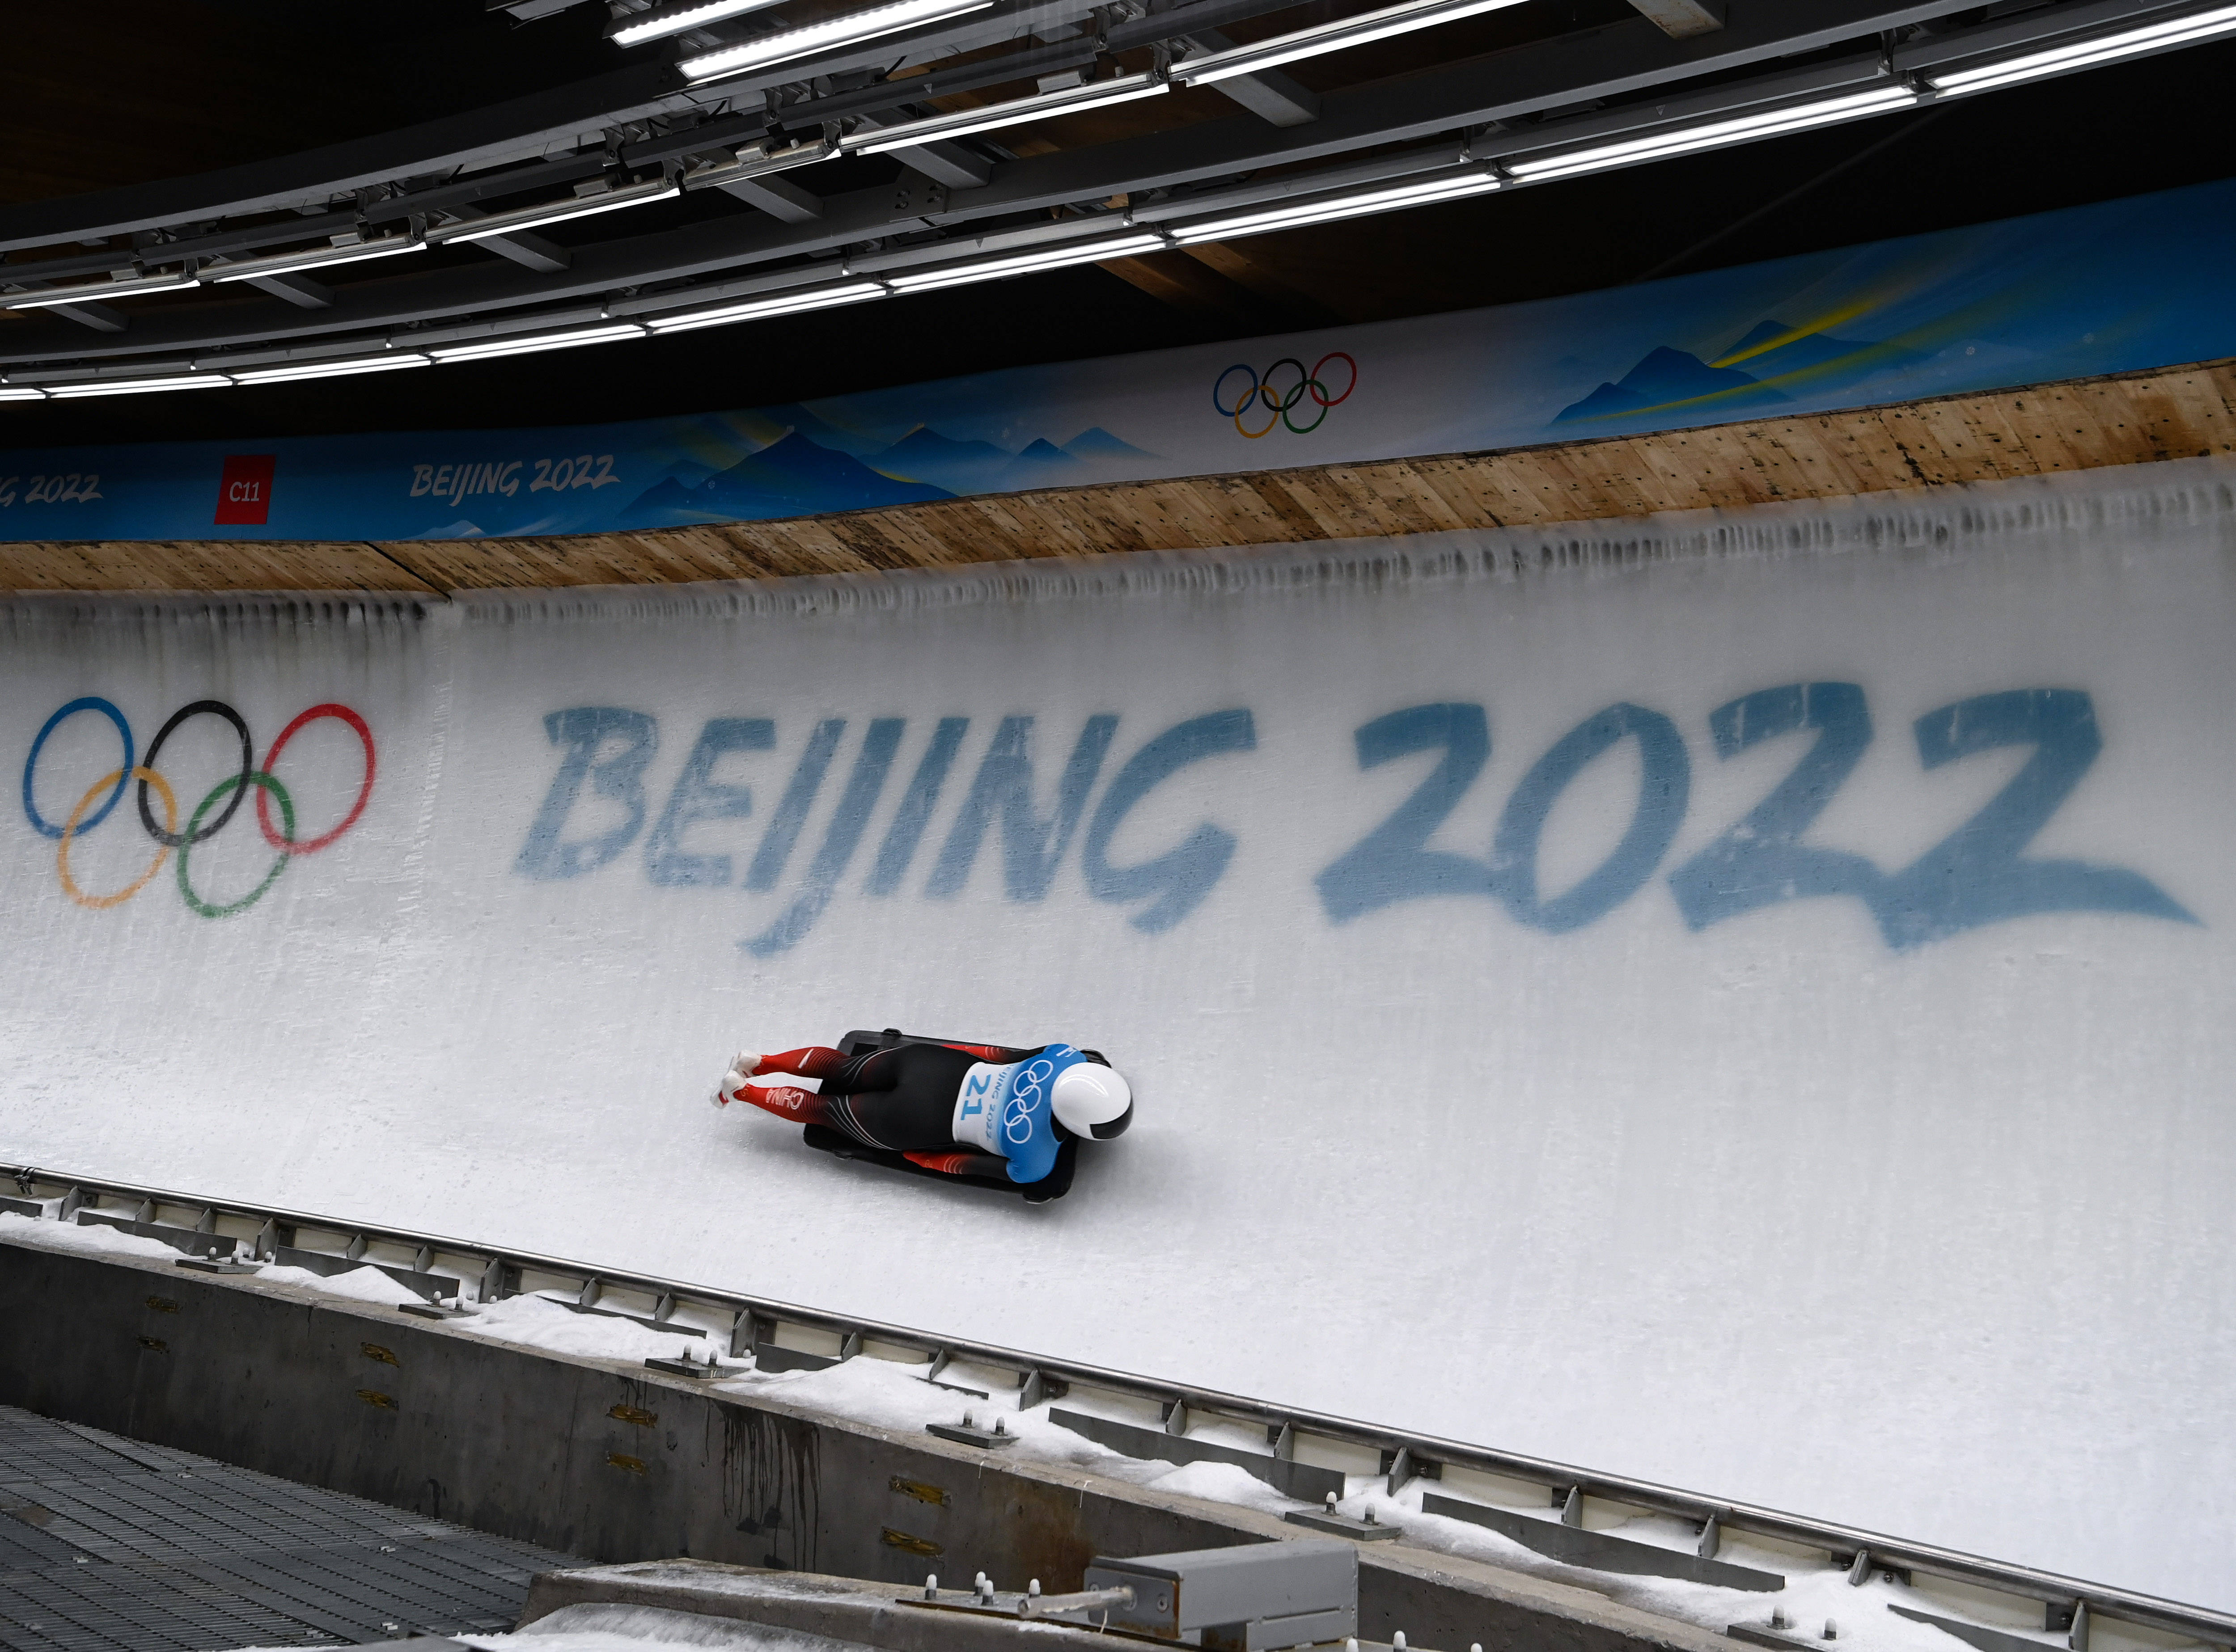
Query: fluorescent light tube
point(484, 349)
point(1046, 258)
point(107, 290)
point(132, 386)
point(657, 26)
point(830, 34)
point(555, 213)
point(781, 304)
point(1714, 133)
point(1329, 37)
point(22, 393)
point(316, 258)
point(331, 369)
point(1258, 220)
point(1093, 95)
point(2086, 54)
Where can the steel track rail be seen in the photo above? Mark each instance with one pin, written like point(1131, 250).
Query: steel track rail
point(1402, 1454)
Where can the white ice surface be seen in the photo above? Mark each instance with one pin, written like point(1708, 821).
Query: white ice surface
point(1934, 1242)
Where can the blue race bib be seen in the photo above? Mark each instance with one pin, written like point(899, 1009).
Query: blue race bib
point(1004, 1109)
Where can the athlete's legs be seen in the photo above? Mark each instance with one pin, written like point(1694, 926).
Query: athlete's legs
point(901, 1097)
point(809, 1061)
point(835, 1075)
point(787, 1101)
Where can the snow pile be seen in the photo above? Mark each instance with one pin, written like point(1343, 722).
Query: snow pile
point(604, 1628)
point(97, 1238)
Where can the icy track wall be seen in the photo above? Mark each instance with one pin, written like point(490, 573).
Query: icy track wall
point(1741, 999)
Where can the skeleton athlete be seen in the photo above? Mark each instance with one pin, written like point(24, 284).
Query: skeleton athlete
point(976, 1111)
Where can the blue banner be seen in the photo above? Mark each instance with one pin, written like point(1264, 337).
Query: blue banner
point(2145, 282)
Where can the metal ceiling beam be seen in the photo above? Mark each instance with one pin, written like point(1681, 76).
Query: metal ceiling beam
point(1269, 93)
point(1503, 88)
point(517, 128)
point(1682, 19)
point(567, 118)
point(313, 227)
point(299, 290)
point(779, 197)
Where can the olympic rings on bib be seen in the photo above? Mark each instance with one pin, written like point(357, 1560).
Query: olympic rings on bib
point(1024, 1097)
point(229, 792)
point(1279, 396)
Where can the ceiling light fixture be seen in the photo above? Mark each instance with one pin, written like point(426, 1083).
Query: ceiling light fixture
point(2087, 54)
point(132, 386)
point(485, 349)
point(663, 22)
point(826, 35)
point(1259, 220)
point(1329, 37)
point(22, 393)
point(1046, 258)
point(315, 258)
point(1093, 95)
point(52, 296)
point(331, 369)
point(782, 304)
point(758, 160)
point(1714, 134)
point(557, 211)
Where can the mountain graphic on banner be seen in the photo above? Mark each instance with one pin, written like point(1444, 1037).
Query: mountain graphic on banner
point(1816, 361)
point(1096, 443)
point(1666, 378)
point(924, 454)
point(1040, 464)
point(808, 423)
point(791, 476)
point(962, 467)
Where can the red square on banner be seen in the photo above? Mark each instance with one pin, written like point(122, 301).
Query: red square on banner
point(244, 492)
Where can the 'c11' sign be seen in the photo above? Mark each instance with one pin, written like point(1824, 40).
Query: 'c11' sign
point(244, 491)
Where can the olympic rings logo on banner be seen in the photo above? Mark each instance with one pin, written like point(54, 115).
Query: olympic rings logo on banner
point(1275, 395)
point(230, 792)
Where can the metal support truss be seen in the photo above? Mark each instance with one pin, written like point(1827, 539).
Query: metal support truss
point(634, 135)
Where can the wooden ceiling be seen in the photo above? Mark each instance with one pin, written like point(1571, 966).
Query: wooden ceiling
point(2131, 419)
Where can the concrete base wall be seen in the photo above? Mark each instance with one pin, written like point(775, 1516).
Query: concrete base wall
point(621, 1463)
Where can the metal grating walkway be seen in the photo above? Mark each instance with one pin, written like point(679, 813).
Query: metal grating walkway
point(107, 1545)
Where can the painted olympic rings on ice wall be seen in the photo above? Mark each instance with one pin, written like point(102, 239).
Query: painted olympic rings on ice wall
point(101, 798)
point(1273, 397)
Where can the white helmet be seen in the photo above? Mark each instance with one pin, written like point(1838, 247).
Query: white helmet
point(1091, 1100)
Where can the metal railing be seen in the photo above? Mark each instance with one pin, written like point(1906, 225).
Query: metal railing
point(755, 1324)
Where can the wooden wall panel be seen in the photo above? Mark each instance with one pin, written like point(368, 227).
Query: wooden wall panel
point(2130, 418)
point(202, 565)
